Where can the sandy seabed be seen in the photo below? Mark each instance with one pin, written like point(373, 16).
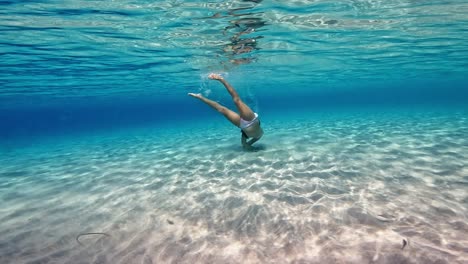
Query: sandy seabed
point(320, 189)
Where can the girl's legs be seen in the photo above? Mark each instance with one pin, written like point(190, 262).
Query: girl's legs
point(244, 111)
point(229, 114)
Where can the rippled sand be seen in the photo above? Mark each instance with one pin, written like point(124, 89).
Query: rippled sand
point(323, 189)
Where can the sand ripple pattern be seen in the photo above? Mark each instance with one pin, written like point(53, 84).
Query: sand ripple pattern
point(329, 189)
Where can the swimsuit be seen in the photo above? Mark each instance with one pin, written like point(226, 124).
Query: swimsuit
point(246, 124)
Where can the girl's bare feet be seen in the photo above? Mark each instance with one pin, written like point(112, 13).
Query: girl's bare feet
point(215, 76)
point(196, 95)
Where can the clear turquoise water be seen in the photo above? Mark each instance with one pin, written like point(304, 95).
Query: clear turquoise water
point(363, 103)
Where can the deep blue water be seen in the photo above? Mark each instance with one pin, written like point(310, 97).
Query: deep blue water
point(67, 115)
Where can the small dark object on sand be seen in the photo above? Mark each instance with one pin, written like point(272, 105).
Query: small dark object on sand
point(404, 244)
point(88, 234)
point(170, 222)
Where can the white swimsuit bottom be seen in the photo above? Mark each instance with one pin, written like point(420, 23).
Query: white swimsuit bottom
point(246, 124)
